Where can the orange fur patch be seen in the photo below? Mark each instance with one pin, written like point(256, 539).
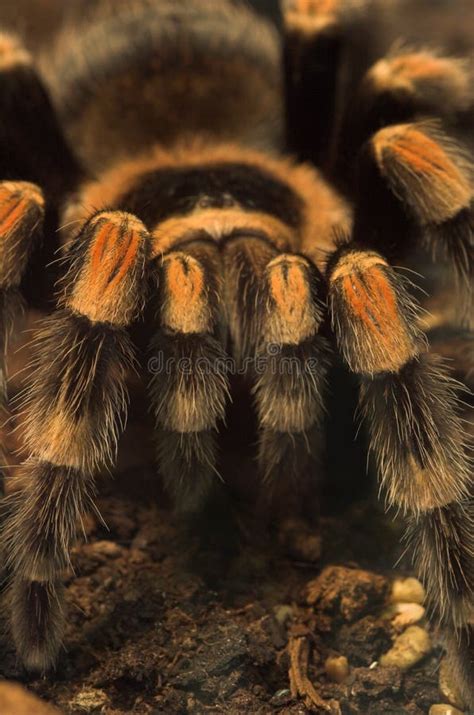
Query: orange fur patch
point(314, 7)
point(379, 330)
point(185, 307)
point(418, 65)
point(425, 155)
point(292, 316)
point(15, 198)
point(97, 252)
point(373, 302)
point(408, 72)
point(325, 213)
point(356, 261)
point(310, 16)
point(20, 204)
point(219, 223)
point(11, 214)
point(293, 285)
point(407, 155)
point(105, 290)
point(12, 52)
point(112, 255)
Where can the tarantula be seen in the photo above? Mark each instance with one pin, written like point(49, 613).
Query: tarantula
point(186, 228)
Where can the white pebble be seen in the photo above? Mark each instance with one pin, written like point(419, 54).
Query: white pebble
point(404, 614)
point(337, 668)
point(283, 613)
point(442, 709)
point(89, 700)
point(407, 590)
point(408, 648)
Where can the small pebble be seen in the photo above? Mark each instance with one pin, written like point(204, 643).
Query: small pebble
point(283, 614)
point(404, 614)
point(448, 687)
point(442, 709)
point(281, 697)
point(407, 590)
point(337, 668)
point(408, 648)
point(89, 700)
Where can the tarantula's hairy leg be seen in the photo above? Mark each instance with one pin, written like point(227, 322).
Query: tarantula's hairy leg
point(32, 145)
point(21, 222)
point(457, 345)
point(406, 86)
point(292, 364)
point(190, 387)
point(323, 53)
point(411, 407)
point(406, 394)
point(454, 526)
point(415, 187)
point(75, 409)
point(33, 148)
point(313, 47)
point(276, 313)
point(245, 261)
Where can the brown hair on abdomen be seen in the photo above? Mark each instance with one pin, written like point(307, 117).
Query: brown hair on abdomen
point(163, 70)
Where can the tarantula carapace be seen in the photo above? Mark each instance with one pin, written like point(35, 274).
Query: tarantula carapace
point(161, 158)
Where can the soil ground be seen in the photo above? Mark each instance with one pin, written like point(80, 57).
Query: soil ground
point(157, 624)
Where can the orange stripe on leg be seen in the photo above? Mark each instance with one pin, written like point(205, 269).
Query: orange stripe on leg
point(357, 301)
point(423, 172)
point(185, 302)
point(98, 248)
point(21, 215)
point(126, 261)
point(292, 314)
point(16, 199)
point(12, 215)
point(425, 155)
point(370, 319)
point(440, 82)
point(372, 301)
point(106, 288)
